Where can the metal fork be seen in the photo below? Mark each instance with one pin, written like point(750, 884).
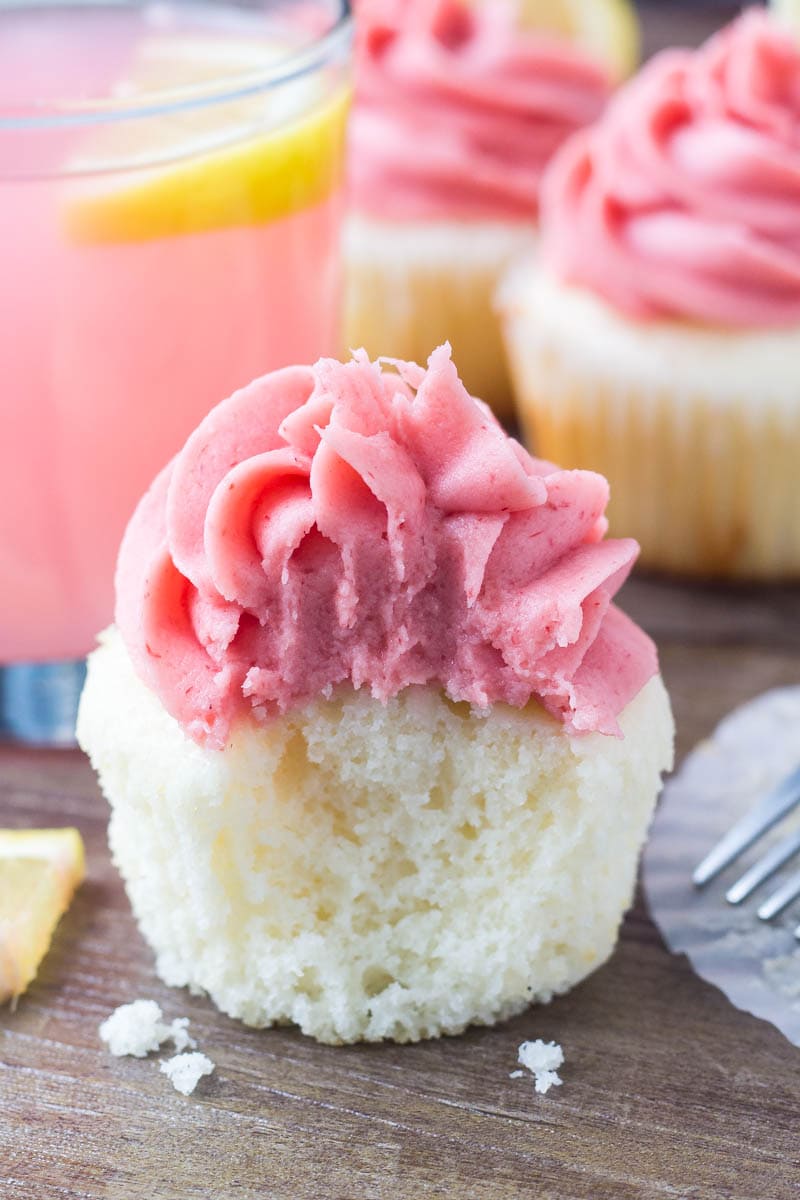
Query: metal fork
point(752, 826)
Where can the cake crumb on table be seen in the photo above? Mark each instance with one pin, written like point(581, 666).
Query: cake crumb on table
point(134, 1029)
point(542, 1059)
point(544, 1080)
point(185, 1071)
point(179, 1035)
point(137, 1029)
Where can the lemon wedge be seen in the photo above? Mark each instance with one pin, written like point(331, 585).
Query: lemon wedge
point(606, 29)
point(247, 160)
point(39, 872)
point(787, 11)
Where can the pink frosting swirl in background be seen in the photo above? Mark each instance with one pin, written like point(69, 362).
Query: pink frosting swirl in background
point(458, 112)
point(684, 200)
point(346, 524)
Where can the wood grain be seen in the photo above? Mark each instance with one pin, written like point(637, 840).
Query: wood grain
point(668, 1091)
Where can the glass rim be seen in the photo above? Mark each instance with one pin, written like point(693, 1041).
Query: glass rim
point(163, 101)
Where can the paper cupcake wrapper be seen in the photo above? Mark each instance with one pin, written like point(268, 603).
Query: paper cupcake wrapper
point(706, 481)
point(411, 287)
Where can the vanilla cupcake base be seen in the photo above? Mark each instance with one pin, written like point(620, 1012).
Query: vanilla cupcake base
point(696, 429)
point(373, 872)
point(413, 285)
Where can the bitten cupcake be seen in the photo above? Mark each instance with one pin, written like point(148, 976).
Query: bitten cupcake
point(657, 338)
point(379, 748)
point(457, 112)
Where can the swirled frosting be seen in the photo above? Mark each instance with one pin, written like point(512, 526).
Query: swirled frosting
point(684, 200)
point(458, 112)
point(347, 523)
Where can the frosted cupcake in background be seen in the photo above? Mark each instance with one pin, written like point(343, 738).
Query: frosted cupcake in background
point(657, 337)
point(380, 750)
point(457, 111)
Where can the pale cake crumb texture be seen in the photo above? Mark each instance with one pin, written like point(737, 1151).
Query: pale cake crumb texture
point(540, 1056)
point(543, 1060)
point(185, 1071)
point(179, 1035)
point(137, 1029)
point(544, 1080)
point(370, 871)
point(134, 1029)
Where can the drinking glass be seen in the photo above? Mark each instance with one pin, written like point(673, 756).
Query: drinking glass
point(170, 200)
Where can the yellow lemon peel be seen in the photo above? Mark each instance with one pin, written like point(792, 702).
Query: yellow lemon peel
point(231, 162)
point(787, 11)
point(39, 872)
point(606, 29)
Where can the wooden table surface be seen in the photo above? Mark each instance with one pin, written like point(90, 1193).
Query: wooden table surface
point(668, 1091)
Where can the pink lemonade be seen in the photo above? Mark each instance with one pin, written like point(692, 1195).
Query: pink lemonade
point(150, 264)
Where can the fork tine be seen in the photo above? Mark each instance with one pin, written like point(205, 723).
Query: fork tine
point(749, 828)
point(767, 865)
point(779, 900)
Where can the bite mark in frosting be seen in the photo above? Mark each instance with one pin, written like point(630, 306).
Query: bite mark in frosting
point(684, 200)
point(348, 523)
point(458, 111)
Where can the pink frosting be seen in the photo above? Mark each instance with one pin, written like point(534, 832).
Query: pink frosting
point(343, 523)
point(457, 112)
point(684, 200)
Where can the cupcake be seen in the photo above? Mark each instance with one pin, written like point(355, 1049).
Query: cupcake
point(657, 337)
point(457, 111)
point(380, 750)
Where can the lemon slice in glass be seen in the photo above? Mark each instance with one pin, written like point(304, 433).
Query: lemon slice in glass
point(235, 154)
point(606, 29)
point(39, 872)
point(787, 11)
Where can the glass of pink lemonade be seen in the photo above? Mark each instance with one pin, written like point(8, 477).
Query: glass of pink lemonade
point(170, 198)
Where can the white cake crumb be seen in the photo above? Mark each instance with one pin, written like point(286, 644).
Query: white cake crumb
point(544, 1080)
point(516, 1074)
point(179, 1035)
point(542, 1059)
point(540, 1056)
point(137, 1029)
point(185, 1071)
